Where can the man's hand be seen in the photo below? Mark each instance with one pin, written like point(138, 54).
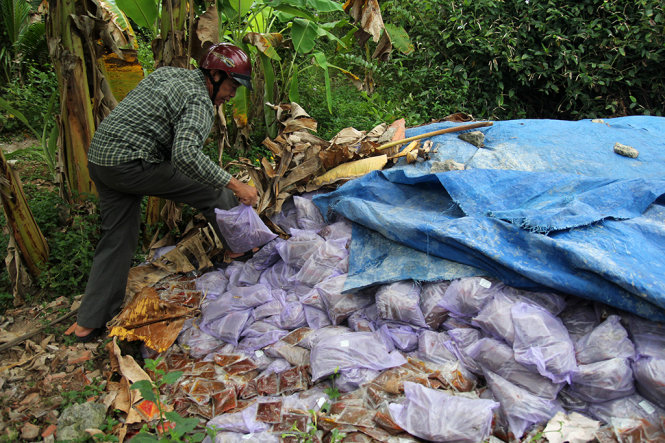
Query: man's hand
point(245, 193)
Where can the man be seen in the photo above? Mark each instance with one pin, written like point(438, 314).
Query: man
point(150, 144)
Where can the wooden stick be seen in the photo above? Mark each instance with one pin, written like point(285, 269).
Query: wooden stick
point(432, 134)
point(23, 338)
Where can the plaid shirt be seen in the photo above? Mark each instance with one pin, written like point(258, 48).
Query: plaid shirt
point(167, 117)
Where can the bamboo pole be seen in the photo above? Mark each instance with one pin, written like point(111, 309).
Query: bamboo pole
point(432, 134)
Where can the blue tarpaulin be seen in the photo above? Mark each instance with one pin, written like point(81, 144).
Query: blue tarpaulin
point(546, 204)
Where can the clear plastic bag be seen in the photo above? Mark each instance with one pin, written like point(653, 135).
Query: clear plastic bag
point(316, 318)
point(542, 342)
point(340, 230)
point(278, 276)
point(266, 257)
point(646, 415)
point(400, 301)
point(438, 416)
point(242, 228)
point(431, 347)
point(403, 337)
point(212, 284)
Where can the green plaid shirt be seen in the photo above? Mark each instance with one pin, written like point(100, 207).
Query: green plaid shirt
point(167, 117)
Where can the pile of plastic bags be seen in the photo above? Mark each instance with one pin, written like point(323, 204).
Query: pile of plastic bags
point(446, 361)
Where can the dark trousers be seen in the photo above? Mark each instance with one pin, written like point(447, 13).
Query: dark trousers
point(121, 189)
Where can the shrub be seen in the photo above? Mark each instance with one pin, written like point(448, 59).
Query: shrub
point(537, 59)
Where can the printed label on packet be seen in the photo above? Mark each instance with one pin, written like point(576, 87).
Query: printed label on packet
point(344, 343)
point(258, 354)
point(485, 283)
point(648, 408)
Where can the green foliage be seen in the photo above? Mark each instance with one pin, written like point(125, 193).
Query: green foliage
point(32, 100)
point(20, 39)
point(94, 389)
point(150, 390)
point(544, 59)
point(71, 246)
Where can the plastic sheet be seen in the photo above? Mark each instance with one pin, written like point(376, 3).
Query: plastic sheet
point(608, 340)
point(242, 228)
point(437, 416)
point(400, 301)
point(496, 356)
point(351, 351)
point(466, 296)
point(542, 341)
point(430, 298)
point(603, 380)
point(522, 408)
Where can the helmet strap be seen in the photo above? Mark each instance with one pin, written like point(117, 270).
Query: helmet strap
point(215, 84)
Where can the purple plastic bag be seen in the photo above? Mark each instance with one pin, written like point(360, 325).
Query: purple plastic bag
point(319, 334)
point(256, 342)
point(521, 407)
point(292, 316)
point(340, 306)
point(438, 416)
point(273, 307)
point(608, 340)
point(364, 320)
point(297, 249)
point(309, 216)
point(431, 347)
point(257, 328)
point(237, 437)
point(287, 219)
point(316, 318)
point(466, 296)
point(633, 407)
point(212, 284)
point(430, 297)
point(278, 276)
point(243, 421)
point(199, 342)
point(242, 228)
point(403, 337)
point(460, 340)
point(496, 319)
point(603, 380)
point(340, 230)
point(323, 263)
point(266, 257)
point(349, 351)
point(649, 375)
point(542, 342)
point(352, 379)
point(400, 302)
point(552, 303)
point(229, 327)
point(648, 337)
point(579, 318)
point(496, 356)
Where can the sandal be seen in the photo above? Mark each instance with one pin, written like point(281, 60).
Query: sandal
point(92, 335)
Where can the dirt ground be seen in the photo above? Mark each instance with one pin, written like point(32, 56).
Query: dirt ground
point(45, 370)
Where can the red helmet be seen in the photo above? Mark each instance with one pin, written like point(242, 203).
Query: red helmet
point(230, 59)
